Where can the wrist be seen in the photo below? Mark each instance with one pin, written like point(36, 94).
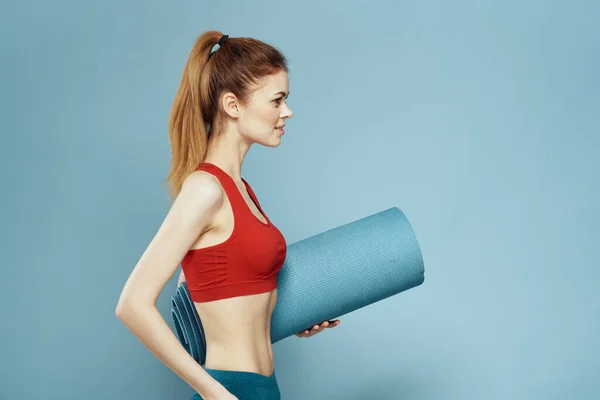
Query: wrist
point(213, 392)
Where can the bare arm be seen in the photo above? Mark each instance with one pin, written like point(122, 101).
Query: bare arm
point(189, 217)
point(181, 278)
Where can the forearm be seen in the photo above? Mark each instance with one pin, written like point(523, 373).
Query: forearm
point(148, 325)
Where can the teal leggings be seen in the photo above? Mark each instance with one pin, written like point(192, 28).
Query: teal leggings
point(245, 385)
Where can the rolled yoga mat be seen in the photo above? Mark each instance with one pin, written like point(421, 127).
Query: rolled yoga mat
point(326, 276)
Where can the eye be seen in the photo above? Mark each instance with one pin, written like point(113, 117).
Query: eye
point(278, 101)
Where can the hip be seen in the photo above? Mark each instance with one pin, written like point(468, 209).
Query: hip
point(240, 356)
point(245, 385)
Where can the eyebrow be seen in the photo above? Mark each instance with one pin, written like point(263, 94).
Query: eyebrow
point(288, 93)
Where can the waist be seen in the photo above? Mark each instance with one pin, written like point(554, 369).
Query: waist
point(240, 356)
point(238, 321)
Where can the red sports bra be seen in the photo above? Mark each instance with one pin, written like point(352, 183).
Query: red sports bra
point(245, 263)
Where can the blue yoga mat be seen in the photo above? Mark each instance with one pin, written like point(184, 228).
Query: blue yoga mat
point(326, 276)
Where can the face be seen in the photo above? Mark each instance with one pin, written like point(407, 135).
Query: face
point(266, 110)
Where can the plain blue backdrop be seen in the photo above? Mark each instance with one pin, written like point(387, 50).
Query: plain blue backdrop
point(479, 120)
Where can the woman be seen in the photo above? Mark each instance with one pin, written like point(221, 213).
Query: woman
point(229, 250)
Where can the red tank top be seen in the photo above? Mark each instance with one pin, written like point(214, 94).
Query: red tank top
point(245, 263)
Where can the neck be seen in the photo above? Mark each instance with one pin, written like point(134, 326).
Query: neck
point(228, 150)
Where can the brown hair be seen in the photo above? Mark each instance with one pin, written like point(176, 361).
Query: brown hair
point(196, 114)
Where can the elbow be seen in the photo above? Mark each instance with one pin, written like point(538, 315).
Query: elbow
point(133, 302)
point(126, 307)
point(121, 309)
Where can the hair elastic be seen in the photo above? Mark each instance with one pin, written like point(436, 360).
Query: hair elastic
point(220, 43)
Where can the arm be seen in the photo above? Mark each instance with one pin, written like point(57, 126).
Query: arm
point(181, 278)
point(189, 217)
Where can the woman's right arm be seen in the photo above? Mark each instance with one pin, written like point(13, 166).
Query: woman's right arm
point(190, 215)
point(181, 278)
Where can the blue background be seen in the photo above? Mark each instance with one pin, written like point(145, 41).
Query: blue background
point(479, 120)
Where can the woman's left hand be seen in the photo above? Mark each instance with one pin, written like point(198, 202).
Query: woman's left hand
point(318, 328)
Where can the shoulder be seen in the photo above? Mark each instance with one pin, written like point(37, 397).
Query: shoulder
point(201, 194)
point(202, 182)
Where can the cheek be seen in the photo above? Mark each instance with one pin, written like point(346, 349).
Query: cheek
point(271, 116)
point(261, 120)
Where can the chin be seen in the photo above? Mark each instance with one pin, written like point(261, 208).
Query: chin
point(273, 142)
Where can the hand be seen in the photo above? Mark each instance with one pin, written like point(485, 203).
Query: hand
point(222, 394)
point(228, 396)
point(318, 328)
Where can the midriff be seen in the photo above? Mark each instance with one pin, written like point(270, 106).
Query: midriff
point(238, 334)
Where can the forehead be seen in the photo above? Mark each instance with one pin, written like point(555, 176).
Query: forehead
point(272, 84)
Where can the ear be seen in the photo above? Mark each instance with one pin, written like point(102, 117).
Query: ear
point(231, 104)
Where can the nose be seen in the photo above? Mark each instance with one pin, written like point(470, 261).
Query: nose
point(287, 112)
